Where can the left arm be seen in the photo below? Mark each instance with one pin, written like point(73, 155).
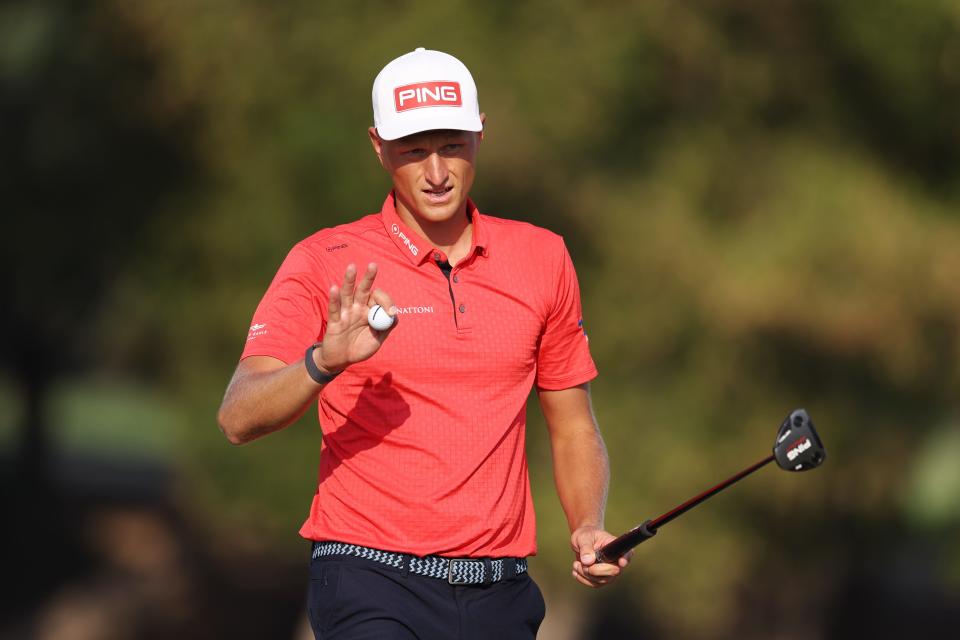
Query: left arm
point(582, 473)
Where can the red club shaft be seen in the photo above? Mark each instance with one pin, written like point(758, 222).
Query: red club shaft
point(692, 502)
point(622, 544)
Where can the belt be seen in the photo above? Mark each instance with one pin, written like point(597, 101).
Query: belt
point(453, 570)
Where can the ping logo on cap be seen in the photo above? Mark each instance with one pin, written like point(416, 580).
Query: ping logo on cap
point(427, 94)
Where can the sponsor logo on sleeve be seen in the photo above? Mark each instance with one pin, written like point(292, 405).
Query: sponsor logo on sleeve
point(427, 94)
point(256, 330)
point(580, 326)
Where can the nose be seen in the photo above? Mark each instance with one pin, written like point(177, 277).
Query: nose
point(435, 170)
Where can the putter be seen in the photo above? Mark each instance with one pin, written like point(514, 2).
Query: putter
point(798, 448)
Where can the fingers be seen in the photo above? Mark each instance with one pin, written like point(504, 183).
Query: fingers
point(333, 304)
point(349, 286)
point(600, 570)
point(383, 299)
point(584, 581)
point(349, 302)
point(366, 284)
point(596, 575)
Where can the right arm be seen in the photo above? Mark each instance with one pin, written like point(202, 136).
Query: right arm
point(266, 395)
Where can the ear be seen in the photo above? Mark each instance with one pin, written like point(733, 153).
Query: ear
point(377, 143)
point(483, 120)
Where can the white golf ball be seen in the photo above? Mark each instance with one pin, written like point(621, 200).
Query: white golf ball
point(379, 319)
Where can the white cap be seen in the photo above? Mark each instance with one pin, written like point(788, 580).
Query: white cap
point(424, 90)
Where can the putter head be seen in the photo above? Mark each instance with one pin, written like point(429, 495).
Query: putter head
point(798, 447)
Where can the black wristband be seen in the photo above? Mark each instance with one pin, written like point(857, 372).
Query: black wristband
point(318, 376)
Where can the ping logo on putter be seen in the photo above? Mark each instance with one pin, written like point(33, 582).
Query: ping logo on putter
point(797, 448)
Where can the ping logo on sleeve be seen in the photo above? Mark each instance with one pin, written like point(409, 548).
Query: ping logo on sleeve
point(427, 94)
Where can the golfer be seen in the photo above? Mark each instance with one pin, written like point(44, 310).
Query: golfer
point(422, 519)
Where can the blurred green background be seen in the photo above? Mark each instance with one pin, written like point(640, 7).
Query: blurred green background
point(762, 200)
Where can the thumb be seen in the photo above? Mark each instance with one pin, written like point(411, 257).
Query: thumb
point(585, 548)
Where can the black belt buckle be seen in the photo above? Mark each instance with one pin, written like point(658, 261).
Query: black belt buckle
point(452, 577)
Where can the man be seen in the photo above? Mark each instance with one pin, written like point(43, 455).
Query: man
point(423, 520)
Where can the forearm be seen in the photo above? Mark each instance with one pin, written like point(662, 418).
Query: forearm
point(265, 396)
point(582, 475)
point(580, 466)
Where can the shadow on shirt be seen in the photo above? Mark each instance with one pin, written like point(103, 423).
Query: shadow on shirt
point(379, 409)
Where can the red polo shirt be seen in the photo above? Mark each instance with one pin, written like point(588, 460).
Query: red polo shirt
point(423, 444)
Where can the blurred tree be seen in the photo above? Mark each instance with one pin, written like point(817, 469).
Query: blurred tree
point(87, 155)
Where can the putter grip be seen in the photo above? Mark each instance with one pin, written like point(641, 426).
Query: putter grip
point(612, 551)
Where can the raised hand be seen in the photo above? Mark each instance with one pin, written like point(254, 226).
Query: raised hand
point(349, 338)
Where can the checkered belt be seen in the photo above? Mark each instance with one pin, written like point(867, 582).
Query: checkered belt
point(453, 570)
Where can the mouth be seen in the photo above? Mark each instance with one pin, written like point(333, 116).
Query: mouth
point(440, 195)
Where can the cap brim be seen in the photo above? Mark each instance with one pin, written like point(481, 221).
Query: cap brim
point(429, 119)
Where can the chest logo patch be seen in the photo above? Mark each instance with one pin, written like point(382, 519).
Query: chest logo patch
point(414, 310)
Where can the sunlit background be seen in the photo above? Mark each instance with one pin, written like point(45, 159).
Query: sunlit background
point(762, 200)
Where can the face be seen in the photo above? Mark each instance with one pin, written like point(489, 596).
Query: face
point(432, 172)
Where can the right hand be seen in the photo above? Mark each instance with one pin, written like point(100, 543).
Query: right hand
point(586, 569)
point(349, 338)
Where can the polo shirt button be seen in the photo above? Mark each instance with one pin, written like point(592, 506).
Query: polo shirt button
point(436, 256)
point(456, 278)
point(463, 308)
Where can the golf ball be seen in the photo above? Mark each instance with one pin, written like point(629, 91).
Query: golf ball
point(379, 319)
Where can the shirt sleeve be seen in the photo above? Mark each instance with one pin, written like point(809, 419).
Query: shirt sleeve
point(292, 314)
point(564, 360)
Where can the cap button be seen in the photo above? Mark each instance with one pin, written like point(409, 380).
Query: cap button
point(419, 49)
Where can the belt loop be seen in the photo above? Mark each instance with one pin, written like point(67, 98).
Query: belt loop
point(404, 564)
point(509, 568)
point(487, 572)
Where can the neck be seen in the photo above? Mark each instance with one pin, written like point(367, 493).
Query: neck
point(452, 236)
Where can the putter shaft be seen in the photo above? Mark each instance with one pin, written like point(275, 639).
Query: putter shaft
point(610, 552)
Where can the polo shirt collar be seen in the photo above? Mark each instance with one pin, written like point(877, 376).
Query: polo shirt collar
point(415, 247)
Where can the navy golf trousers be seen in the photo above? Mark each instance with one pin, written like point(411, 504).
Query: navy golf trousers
point(353, 598)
